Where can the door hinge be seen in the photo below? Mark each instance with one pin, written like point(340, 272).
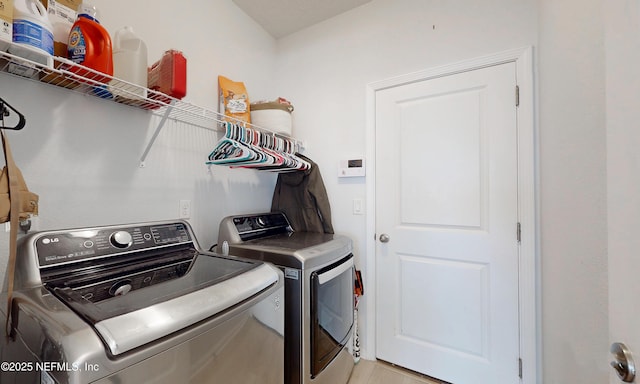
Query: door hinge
point(520, 368)
point(518, 232)
point(517, 96)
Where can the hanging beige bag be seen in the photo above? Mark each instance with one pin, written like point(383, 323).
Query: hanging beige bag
point(13, 189)
point(28, 201)
point(16, 203)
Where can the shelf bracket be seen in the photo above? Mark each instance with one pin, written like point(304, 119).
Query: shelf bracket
point(167, 112)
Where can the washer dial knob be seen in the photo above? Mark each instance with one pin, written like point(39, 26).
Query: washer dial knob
point(121, 239)
point(120, 288)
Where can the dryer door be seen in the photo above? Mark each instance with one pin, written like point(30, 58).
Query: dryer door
point(331, 312)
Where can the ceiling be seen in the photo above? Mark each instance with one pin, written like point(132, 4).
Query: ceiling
point(283, 17)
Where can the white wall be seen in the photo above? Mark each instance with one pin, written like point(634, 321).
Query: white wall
point(573, 191)
point(81, 154)
point(324, 71)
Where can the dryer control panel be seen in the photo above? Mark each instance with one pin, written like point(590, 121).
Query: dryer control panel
point(235, 229)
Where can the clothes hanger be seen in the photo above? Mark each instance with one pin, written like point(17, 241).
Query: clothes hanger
point(244, 147)
point(5, 111)
point(228, 149)
point(286, 148)
point(236, 148)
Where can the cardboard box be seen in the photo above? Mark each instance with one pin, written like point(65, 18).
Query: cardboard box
point(62, 15)
point(6, 24)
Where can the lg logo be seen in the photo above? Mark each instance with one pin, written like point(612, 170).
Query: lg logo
point(52, 240)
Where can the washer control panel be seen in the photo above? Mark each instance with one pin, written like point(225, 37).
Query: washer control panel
point(54, 248)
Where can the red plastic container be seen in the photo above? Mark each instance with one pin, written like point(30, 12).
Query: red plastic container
point(90, 46)
point(168, 76)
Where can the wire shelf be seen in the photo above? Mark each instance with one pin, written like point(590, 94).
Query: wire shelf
point(61, 72)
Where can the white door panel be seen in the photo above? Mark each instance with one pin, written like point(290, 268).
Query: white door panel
point(446, 194)
point(440, 196)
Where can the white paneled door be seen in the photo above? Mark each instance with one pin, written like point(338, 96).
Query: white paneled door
point(622, 31)
point(446, 226)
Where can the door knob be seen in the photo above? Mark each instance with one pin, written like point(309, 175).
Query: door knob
point(623, 362)
point(384, 238)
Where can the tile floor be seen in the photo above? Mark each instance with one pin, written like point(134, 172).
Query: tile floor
point(379, 372)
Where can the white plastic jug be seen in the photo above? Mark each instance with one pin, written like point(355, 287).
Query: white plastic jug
point(32, 32)
point(129, 64)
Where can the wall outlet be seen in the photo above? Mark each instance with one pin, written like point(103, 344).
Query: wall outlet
point(33, 224)
point(185, 209)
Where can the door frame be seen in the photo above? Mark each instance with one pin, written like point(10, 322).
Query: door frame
point(528, 211)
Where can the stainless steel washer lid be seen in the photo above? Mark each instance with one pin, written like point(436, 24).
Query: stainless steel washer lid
point(133, 329)
point(296, 250)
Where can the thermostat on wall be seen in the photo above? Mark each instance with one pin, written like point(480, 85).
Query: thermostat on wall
point(351, 168)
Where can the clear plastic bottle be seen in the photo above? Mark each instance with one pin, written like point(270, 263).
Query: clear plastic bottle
point(129, 64)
